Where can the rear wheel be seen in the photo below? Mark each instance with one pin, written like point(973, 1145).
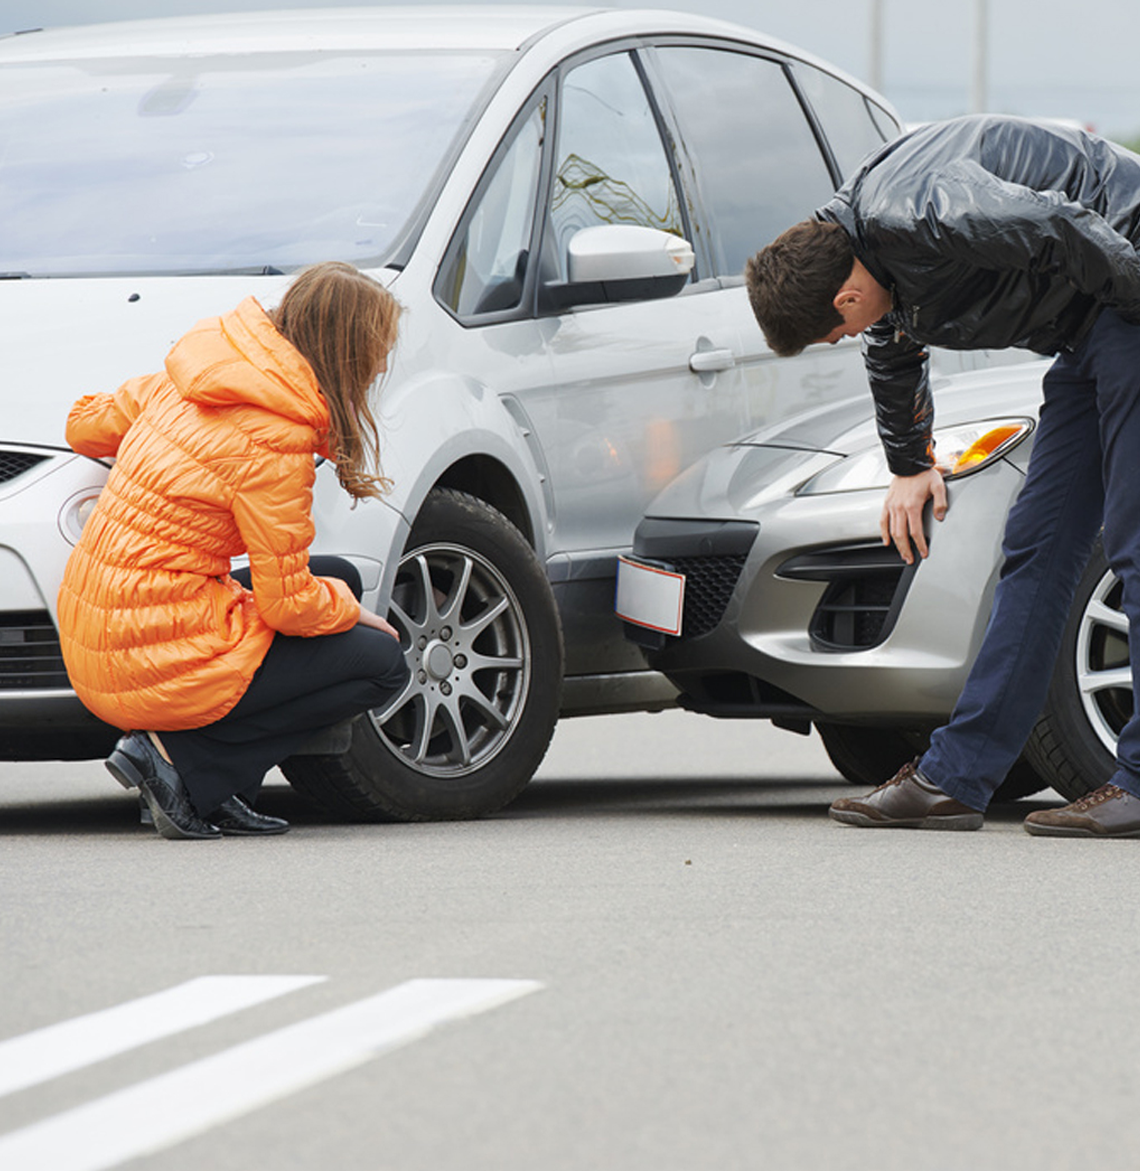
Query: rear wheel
point(481, 635)
point(1090, 695)
point(870, 756)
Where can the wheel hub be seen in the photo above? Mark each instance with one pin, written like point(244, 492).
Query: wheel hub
point(439, 662)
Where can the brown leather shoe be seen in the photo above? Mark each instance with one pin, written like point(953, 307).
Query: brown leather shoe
point(907, 801)
point(1107, 812)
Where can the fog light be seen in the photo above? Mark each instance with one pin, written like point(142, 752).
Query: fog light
point(75, 514)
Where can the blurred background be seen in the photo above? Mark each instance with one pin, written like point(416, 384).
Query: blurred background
point(1071, 59)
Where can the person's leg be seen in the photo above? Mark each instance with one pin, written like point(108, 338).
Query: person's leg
point(1048, 538)
point(1113, 810)
point(302, 685)
point(320, 565)
point(1117, 368)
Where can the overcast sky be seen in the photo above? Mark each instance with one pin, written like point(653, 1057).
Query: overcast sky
point(1051, 58)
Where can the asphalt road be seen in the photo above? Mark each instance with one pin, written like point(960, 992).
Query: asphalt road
point(662, 956)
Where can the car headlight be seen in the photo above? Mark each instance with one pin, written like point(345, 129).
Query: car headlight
point(960, 451)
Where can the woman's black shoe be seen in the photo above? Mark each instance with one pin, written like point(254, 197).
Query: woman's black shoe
point(236, 817)
point(136, 764)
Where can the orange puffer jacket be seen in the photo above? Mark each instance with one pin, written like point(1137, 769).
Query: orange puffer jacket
point(215, 458)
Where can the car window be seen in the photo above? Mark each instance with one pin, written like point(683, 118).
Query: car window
point(486, 266)
point(236, 162)
point(854, 125)
point(758, 164)
point(610, 165)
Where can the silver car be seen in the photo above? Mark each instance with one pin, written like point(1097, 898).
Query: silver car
point(563, 200)
point(760, 587)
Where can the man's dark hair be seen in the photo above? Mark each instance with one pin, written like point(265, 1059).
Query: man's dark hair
point(792, 284)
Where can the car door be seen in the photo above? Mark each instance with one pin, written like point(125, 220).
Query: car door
point(627, 411)
point(757, 162)
point(639, 389)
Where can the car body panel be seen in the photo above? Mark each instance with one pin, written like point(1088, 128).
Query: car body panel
point(766, 633)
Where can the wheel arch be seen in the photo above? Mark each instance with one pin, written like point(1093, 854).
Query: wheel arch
point(485, 477)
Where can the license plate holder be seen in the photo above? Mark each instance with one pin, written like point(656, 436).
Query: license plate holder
point(651, 596)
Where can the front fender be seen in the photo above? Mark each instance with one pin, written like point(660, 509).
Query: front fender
point(427, 425)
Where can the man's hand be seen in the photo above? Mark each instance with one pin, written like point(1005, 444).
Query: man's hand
point(367, 618)
point(901, 521)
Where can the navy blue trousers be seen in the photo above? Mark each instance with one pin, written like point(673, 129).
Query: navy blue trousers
point(1084, 472)
point(302, 686)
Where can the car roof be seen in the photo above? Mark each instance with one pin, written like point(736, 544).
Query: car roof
point(445, 27)
point(492, 27)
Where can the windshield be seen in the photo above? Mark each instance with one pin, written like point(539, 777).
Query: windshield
point(217, 164)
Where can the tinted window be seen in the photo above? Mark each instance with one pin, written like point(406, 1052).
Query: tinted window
point(759, 167)
point(854, 125)
point(487, 264)
point(611, 166)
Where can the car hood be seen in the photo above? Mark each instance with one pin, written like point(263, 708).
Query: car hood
point(734, 480)
point(849, 426)
point(64, 338)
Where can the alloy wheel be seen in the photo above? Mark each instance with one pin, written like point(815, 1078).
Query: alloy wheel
point(466, 643)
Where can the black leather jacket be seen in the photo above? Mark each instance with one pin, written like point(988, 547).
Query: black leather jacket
point(988, 232)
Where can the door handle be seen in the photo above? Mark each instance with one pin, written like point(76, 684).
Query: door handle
point(710, 361)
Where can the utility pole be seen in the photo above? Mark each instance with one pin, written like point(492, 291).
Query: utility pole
point(979, 97)
point(875, 62)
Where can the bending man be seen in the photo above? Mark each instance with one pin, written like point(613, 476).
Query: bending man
point(987, 232)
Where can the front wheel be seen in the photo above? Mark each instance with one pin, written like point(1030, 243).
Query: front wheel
point(870, 756)
point(480, 632)
point(1090, 694)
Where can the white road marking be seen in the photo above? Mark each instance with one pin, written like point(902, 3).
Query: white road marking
point(170, 1108)
point(70, 1045)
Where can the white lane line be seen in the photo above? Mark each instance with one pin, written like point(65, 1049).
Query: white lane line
point(58, 1049)
point(167, 1109)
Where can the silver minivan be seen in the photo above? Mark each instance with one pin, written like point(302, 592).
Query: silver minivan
point(562, 199)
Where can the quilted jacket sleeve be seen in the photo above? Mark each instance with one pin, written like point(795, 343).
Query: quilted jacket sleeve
point(273, 512)
point(898, 370)
point(97, 423)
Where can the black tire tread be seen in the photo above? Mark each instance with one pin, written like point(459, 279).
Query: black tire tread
point(1047, 752)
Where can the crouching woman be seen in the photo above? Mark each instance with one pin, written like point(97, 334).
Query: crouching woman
point(217, 676)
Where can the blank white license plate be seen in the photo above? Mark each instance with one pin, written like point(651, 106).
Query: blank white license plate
point(650, 597)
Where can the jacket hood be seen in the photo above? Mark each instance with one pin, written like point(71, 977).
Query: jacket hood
point(240, 358)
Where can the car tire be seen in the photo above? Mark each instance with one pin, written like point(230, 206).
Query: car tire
point(481, 635)
point(869, 756)
point(1090, 694)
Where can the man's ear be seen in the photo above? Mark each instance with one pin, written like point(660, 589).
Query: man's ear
point(847, 298)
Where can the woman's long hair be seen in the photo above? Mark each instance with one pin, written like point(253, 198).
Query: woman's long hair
point(344, 324)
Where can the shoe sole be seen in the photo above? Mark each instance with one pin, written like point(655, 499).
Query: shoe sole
point(169, 829)
point(1061, 831)
point(252, 833)
point(956, 821)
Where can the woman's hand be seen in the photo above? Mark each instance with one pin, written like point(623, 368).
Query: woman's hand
point(367, 618)
point(901, 520)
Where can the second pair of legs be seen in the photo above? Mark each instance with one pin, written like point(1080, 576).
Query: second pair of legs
point(910, 800)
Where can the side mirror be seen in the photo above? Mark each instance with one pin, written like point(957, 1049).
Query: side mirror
point(621, 262)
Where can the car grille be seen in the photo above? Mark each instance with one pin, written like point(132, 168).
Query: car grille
point(710, 554)
point(866, 585)
point(16, 463)
point(709, 582)
point(30, 657)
